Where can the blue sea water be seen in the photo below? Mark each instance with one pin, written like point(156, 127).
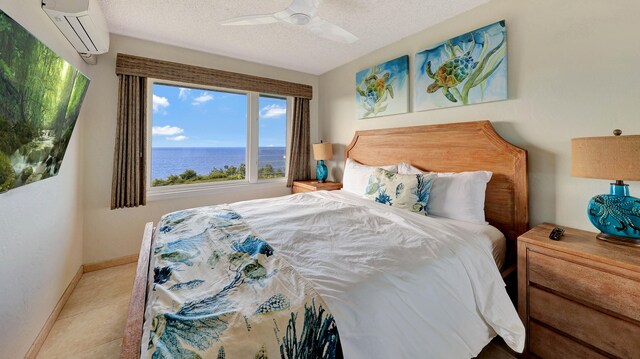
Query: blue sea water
point(166, 161)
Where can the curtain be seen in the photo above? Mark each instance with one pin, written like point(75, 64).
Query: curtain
point(300, 157)
point(129, 175)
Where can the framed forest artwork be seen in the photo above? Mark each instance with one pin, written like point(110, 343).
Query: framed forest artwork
point(40, 99)
point(383, 89)
point(467, 69)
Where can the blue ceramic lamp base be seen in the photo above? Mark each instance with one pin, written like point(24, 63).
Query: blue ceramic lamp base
point(616, 215)
point(321, 172)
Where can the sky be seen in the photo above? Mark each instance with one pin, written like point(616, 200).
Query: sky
point(184, 117)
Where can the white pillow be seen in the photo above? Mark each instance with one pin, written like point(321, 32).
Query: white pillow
point(407, 169)
point(456, 195)
point(356, 176)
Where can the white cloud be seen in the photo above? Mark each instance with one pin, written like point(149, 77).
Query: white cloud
point(205, 97)
point(177, 138)
point(272, 111)
point(160, 102)
point(184, 92)
point(166, 130)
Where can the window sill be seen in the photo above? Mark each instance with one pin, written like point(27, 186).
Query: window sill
point(193, 190)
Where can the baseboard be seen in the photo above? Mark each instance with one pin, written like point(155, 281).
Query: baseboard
point(92, 267)
point(44, 332)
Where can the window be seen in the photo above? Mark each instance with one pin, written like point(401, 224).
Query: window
point(272, 147)
point(205, 137)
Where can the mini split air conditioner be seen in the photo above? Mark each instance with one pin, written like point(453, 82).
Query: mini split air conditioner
point(82, 23)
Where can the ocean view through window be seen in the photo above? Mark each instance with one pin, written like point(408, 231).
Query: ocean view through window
point(272, 137)
point(200, 136)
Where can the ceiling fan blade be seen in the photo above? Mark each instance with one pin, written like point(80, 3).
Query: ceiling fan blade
point(250, 20)
point(308, 7)
point(283, 15)
point(331, 31)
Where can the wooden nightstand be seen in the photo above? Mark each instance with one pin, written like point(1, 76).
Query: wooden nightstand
point(312, 186)
point(578, 297)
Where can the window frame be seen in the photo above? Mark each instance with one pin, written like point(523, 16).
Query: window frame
point(252, 147)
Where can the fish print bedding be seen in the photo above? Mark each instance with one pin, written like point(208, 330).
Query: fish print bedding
point(219, 290)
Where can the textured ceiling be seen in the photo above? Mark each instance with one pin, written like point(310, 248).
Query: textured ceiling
point(194, 24)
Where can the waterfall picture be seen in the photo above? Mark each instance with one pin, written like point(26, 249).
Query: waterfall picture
point(40, 99)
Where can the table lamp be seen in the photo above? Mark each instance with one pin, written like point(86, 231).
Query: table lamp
point(617, 214)
point(322, 152)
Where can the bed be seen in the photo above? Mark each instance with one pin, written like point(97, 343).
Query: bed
point(371, 272)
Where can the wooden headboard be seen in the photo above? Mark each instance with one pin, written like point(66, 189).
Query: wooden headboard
point(457, 147)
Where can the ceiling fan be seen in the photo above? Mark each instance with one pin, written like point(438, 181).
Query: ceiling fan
point(302, 13)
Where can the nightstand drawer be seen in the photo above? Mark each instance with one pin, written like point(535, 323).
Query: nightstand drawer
point(612, 335)
point(597, 287)
point(548, 344)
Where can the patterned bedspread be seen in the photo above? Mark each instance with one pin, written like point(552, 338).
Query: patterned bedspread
point(220, 291)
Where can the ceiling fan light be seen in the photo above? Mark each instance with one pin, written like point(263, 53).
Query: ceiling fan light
point(300, 19)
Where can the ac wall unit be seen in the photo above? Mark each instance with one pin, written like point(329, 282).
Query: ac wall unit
point(82, 23)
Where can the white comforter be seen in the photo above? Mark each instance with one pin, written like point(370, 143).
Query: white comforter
point(400, 285)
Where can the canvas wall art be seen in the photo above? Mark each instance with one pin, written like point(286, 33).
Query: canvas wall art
point(467, 69)
point(383, 89)
point(40, 98)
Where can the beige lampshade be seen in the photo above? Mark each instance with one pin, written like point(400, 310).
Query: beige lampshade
point(322, 151)
point(608, 157)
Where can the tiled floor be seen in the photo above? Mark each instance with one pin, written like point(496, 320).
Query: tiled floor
point(92, 322)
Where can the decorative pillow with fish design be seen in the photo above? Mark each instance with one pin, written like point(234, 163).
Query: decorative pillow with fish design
point(410, 191)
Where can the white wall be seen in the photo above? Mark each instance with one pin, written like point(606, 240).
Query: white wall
point(111, 234)
point(41, 223)
point(573, 71)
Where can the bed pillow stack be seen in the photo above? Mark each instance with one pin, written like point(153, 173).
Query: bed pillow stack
point(356, 176)
point(457, 196)
point(406, 191)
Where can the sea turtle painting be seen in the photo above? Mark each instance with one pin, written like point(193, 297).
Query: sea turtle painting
point(375, 88)
point(451, 73)
point(467, 69)
point(383, 89)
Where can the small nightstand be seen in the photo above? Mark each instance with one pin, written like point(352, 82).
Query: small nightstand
point(312, 186)
point(578, 297)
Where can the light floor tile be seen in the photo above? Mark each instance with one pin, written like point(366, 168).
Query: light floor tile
point(86, 330)
point(108, 276)
point(92, 321)
point(110, 350)
point(96, 290)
